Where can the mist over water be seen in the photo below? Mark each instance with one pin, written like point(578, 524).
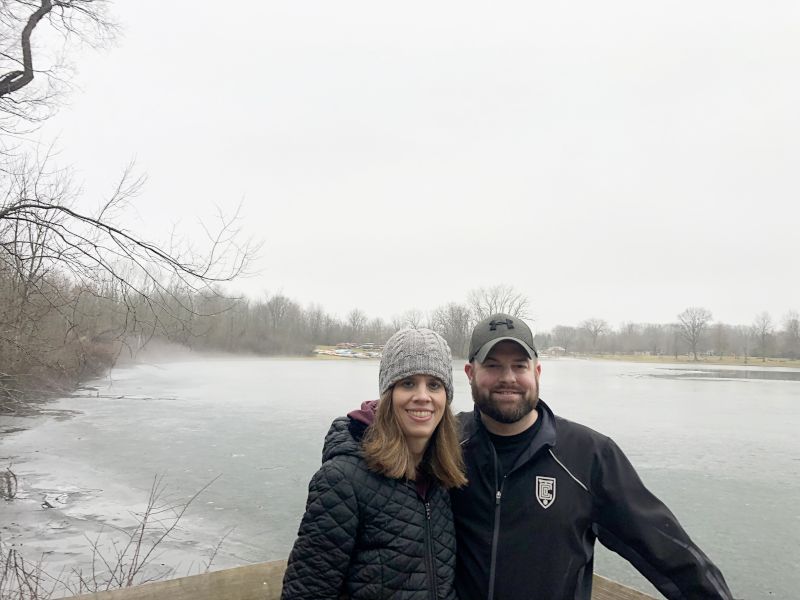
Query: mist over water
point(720, 449)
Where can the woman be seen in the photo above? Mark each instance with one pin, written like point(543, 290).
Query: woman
point(378, 521)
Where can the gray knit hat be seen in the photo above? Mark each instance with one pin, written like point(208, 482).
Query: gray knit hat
point(416, 352)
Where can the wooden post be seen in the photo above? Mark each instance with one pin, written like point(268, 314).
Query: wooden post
point(262, 581)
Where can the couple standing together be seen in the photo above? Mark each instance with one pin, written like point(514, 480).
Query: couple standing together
point(502, 503)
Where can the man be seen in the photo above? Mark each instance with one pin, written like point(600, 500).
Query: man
point(542, 489)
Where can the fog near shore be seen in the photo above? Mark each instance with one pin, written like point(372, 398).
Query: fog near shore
point(626, 157)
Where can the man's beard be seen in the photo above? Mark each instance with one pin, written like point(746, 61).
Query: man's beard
point(506, 412)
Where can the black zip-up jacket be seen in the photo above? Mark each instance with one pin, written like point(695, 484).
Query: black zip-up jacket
point(533, 538)
point(369, 537)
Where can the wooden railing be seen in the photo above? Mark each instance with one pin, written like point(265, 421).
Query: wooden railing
point(262, 581)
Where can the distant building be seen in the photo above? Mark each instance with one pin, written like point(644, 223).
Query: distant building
point(555, 351)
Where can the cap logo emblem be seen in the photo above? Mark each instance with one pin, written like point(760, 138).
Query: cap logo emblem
point(509, 323)
point(545, 491)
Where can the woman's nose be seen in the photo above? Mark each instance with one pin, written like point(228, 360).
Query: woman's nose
point(421, 393)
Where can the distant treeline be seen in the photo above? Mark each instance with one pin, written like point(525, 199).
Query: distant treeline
point(54, 333)
point(691, 337)
point(279, 325)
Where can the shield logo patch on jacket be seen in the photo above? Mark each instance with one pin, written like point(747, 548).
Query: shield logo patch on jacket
point(545, 490)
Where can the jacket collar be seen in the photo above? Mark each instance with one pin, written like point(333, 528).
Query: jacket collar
point(545, 438)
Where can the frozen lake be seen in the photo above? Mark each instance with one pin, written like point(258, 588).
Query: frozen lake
point(719, 446)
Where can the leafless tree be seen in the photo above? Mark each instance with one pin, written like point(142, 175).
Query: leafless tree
point(72, 281)
point(72, 273)
point(675, 338)
point(41, 232)
point(278, 308)
point(30, 76)
point(654, 338)
point(595, 328)
point(762, 325)
point(356, 321)
point(500, 298)
point(791, 332)
point(744, 335)
point(693, 322)
point(314, 317)
point(453, 322)
point(413, 318)
point(628, 336)
point(563, 336)
point(376, 331)
point(791, 324)
point(720, 339)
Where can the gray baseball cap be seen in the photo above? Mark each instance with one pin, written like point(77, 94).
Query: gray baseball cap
point(497, 328)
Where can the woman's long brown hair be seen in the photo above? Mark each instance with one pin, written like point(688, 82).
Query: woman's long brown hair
point(386, 450)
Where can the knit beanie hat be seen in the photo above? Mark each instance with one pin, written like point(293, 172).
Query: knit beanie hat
point(416, 352)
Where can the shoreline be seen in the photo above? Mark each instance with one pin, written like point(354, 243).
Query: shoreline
point(707, 361)
point(725, 361)
point(34, 406)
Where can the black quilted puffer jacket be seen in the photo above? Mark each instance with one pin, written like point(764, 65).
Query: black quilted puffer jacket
point(368, 537)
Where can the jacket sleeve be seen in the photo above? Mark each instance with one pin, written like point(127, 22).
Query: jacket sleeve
point(632, 522)
point(319, 559)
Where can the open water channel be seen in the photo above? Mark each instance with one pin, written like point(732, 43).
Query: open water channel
point(719, 445)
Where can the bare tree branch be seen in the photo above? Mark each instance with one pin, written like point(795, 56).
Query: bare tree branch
point(29, 93)
point(487, 301)
point(693, 322)
point(16, 80)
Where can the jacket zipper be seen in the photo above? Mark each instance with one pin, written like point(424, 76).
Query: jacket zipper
point(429, 552)
point(498, 498)
point(496, 533)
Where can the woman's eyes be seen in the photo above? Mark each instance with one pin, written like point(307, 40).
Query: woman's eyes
point(410, 384)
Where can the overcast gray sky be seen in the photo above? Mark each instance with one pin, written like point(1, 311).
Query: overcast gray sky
point(621, 160)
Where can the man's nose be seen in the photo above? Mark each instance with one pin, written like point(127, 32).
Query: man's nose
point(507, 374)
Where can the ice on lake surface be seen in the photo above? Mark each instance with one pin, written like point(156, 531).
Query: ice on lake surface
point(722, 452)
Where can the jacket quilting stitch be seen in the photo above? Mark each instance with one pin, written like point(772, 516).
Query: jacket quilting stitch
point(365, 534)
